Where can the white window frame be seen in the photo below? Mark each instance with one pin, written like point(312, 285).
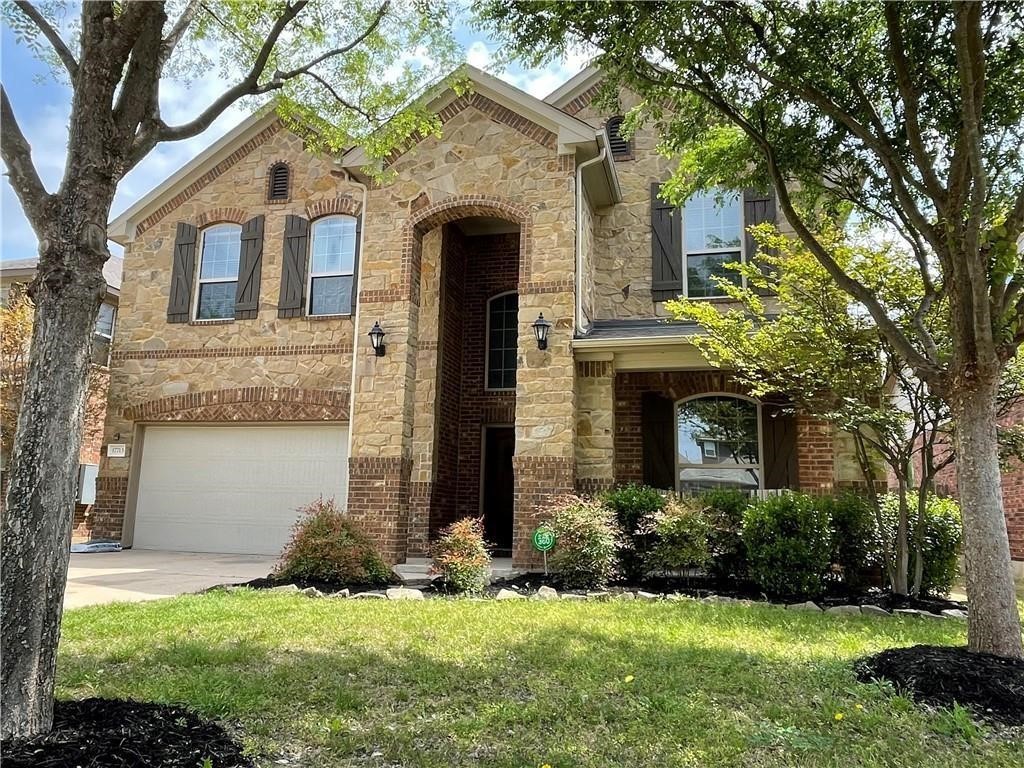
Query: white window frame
point(109, 337)
point(759, 466)
point(709, 251)
point(487, 344)
point(309, 267)
point(210, 280)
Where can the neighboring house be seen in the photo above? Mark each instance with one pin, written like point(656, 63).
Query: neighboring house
point(245, 384)
point(24, 271)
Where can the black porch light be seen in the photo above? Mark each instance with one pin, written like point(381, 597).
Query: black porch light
point(377, 339)
point(540, 330)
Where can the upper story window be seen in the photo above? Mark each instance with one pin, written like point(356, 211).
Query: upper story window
point(218, 272)
point(621, 148)
point(718, 443)
point(103, 334)
point(712, 237)
point(332, 265)
point(502, 340)
point(278, 182)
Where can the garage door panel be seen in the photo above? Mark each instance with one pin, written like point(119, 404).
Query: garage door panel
point(234, 489)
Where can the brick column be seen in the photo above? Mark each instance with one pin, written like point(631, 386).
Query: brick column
point(595, 425)
point(815, 454)
point(378, 497)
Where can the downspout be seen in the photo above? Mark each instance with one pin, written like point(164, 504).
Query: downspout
point(355, 321)
point(578, 320)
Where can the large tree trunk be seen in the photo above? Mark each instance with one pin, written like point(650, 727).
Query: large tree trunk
point(993, 624)
point(42, 479)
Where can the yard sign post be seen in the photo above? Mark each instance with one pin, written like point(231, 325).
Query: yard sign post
point(543, 542)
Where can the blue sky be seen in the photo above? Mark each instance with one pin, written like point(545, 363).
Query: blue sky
point(42, 106)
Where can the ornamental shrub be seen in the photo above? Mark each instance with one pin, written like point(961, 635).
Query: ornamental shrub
point(328, 546)
point(789, 545)
point(680, 536)
point(460, 557)
point(724, 509)
point(587, 542)
point(943, 531)
point(635, 507)
point(853, 536)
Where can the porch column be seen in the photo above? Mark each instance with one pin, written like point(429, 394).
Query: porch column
point(595, 425)
point(815, 454)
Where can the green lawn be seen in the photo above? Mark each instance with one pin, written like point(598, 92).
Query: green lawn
point(446, 683)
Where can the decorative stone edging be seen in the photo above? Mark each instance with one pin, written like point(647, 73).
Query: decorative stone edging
point(546, 593)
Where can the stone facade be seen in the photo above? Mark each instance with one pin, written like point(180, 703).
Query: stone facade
point(487, 207)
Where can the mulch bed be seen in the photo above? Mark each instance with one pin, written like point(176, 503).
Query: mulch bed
point(992, 687)
point(327, 587)
point(112, 733)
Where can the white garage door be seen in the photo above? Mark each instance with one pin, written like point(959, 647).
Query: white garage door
point(234, 489)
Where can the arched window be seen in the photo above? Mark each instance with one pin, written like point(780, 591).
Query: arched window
point(620, 147)
point(332, 260)
point(278, 181)
point(218, 272)
point(718, 443)
point(502, 340)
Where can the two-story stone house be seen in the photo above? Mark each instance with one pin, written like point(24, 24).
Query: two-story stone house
point(245, 381)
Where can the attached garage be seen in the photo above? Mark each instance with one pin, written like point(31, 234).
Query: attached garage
point(234, 489)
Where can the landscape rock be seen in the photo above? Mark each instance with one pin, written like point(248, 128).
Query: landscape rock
point(311, 592)
point(339, 595)
point(573, 596)
point(284, 588)
point(598, 595)
point(625, 596)
point(910, 613)
point(955, 613)
point(717, 599)
point(404, 593)
point(807, 606)
point(368, 596)
point(844, 610)
point(641, 595)
point(547, 593)
point(873, 610)
point(508, 594)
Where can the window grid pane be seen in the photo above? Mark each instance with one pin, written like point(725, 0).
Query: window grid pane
point(221, 246)
point(502, 341)
point(216, 301)
point(718, 444)
point(702, 268)
point(105, 321)
point(334, 246)
point(331, 295)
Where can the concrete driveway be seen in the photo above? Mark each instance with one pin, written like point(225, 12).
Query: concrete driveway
point(140, 574)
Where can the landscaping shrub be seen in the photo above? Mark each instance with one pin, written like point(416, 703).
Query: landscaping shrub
point(635, 507)
point(942, 536)
point(680, 533)
point(789, 545)
point(461, 558)
point(853, 535)
point(724, 509)
point(587, 541)
point(328, 546)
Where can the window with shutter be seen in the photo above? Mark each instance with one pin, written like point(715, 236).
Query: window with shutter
point(712, 238)
point(278, 182)
point(621, 148)
point(218, 272)
point(332, 265)
point(718, 443)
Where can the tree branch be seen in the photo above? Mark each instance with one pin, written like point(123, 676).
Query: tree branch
point(178, 30)
point(374, 23)
point(21, 172)
point(51, 34)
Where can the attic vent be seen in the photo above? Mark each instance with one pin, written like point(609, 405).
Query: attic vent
point(279, 177)
point(619, 146)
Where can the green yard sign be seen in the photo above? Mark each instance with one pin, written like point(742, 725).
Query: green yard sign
point(543, 539)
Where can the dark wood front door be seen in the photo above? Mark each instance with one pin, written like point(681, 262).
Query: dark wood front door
point(498, 488)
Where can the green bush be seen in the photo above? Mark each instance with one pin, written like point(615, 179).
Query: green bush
point(634, 507)
point(460, 557)
point(789, 545)
point(587, 541)
point(943, 532)
point(328, 546)
point(680, 536)
point(724, 509)
point(853, 535)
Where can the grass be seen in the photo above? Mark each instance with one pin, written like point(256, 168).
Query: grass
point(449, 683)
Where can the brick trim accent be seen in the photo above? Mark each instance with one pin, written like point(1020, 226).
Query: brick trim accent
point(278, 350)
point(378, 498)
point(291, 178)
point(260, 138)
point(581, 101)
point(106, 518)
point(220, 216)
point(343, 204)
point(549, 286)
point(245, 404)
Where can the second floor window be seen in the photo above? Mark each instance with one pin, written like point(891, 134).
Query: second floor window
point(502, 340)
point(103, 334)
point(712, 238)
point(218, 272)
point(332, 264)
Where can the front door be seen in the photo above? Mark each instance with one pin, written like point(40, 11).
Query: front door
point(498, 488)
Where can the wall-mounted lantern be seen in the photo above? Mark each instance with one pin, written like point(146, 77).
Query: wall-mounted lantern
point(540, 330)
point(377, 339)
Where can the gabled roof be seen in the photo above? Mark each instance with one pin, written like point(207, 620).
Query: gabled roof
point(573, 87)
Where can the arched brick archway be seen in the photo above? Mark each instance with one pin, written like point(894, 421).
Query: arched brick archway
point(242, 404)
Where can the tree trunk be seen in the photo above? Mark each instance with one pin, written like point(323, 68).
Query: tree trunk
point(993, 624)
point(902, 549)
point(42, 479)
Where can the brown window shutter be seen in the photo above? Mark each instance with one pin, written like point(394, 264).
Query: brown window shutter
point(657, 428)
point(778, 439)
point(293, 267)
point(758, 208)
point(179, 303)
point(247, 296)
point(666, 248)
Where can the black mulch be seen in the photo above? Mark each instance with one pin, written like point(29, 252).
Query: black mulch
point(992, 687)
point(112, 733)
point(327, 587)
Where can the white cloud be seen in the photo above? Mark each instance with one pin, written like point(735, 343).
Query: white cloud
point(478, 55)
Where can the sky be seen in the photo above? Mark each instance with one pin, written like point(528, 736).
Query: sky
point(42, 106)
